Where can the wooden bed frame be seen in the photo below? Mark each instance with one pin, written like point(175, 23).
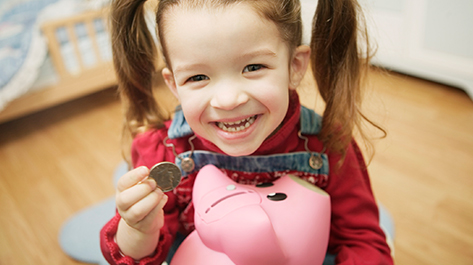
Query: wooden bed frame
point(88, 80)
point(70, 86)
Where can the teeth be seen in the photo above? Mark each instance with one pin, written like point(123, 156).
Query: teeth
point(245, 123)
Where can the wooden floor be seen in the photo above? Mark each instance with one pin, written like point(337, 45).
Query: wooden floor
point(56, 162)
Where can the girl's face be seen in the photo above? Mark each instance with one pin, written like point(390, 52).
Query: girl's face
point(231, 72)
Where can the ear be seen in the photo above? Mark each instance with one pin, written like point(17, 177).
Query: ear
point(298, 66)
point(169, 80)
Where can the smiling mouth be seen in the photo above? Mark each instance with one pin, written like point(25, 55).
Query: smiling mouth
point(237, 125)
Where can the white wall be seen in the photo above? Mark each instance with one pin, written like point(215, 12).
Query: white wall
point(432, 39)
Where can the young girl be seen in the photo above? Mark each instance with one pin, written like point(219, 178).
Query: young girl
point(234, 66)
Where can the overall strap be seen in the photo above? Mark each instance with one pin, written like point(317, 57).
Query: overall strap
point(311, 122)
point(179, 126)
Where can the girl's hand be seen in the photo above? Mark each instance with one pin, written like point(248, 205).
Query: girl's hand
point(139, 202)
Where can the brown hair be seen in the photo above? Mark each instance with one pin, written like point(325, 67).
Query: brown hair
point(134, 58)
point(336, 61)
point(339, 65)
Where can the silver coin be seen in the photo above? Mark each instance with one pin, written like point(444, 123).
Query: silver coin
point(166, 174)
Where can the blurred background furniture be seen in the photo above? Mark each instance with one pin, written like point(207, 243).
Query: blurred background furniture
point(51, 52)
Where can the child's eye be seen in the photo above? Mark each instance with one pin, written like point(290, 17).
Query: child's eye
point(252, 68)
point(197, 78)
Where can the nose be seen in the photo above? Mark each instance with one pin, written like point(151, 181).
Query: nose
point(228, 96)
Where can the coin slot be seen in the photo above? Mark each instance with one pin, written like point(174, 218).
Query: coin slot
point(222, 199)
point(264, 185)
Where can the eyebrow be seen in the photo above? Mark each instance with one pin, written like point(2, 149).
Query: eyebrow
point(188, 67)
point(257, 53)
point(246, 56)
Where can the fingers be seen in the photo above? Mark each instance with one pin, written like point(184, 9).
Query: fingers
point(132, 178)
point(158, 210)
point(143, 213)
point(139, 202)
point(134, 194)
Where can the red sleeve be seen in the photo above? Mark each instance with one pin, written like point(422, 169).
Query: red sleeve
point(147, 150)
point(355, 234)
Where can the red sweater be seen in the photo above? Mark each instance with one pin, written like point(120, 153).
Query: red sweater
point(355, 235)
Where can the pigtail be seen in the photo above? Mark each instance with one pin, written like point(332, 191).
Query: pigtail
point(134, 58)
point(338, 68)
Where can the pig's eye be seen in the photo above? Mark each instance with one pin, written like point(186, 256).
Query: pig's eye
point(277, 196)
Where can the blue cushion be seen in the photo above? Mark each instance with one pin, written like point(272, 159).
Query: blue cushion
point(79, 236)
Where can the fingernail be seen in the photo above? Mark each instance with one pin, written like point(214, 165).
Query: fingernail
point(143, 170)
point(153, 184)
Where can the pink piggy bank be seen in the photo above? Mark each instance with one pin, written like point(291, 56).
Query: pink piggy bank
point(284, 222)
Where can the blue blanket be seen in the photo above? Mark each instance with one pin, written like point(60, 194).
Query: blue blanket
point(18, 26)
